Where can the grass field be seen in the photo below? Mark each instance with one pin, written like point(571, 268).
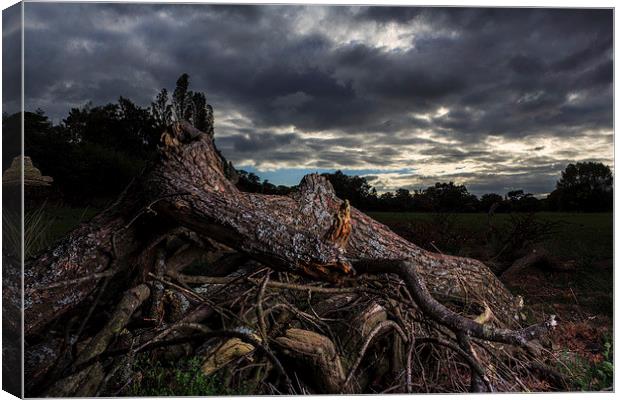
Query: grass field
point(580, 236)
point(576, 235)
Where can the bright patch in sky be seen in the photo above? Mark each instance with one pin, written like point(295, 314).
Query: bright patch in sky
point(292, 176)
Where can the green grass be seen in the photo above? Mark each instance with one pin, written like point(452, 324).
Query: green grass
point(45, 225)
point(65, 219)
point(587, 375)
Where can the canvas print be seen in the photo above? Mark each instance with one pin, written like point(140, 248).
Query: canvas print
point(306, 199)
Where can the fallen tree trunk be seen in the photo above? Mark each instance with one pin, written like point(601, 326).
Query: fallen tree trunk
point(311, 233)
point(188, 186)
point(296, 233)
point(535, 256)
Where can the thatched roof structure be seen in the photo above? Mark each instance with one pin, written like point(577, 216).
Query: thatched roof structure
point(32, 175)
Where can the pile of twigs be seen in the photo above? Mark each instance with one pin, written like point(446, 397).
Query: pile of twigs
point(271, 332)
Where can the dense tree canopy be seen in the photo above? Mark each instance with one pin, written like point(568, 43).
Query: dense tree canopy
point(520, 201)
point(250, 182)
point(354, 188)
point(450, 197)
point(491, 201)
point(96, 150)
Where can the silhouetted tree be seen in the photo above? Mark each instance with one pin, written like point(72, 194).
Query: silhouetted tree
point(11, 138)
point(139, 125)
point(519, 201)
point(249, 182)
point(180, 98)
point(189, 106)
point(354, 188)
point(199, 111)
point(386, 201)
point(448, 197)
point(403, 200)
point(99, 125)
point(161, 110)
point(489, 200)
point(584, 186)
point(89, 167)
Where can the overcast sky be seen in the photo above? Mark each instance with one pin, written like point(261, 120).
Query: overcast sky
point(497, 99)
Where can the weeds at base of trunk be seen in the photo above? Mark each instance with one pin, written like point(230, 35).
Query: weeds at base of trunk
point(183, 378)
point(589, 375)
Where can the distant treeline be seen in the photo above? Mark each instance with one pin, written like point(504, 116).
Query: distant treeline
point(95, 151)
point(584, 186)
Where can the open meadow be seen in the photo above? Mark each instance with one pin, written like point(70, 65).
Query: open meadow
point(582, 236)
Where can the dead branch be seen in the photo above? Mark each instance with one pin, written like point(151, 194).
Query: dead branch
point(130, 302)
point(381, 327)
point(406, 270)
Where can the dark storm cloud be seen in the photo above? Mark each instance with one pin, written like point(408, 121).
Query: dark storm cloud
point(312, 85)
point(11, 50)
point(257, 142)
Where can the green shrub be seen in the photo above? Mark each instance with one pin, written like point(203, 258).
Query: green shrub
point(587, 375)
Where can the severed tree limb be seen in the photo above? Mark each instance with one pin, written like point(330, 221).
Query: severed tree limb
point(410, 350)
point(260, 314)
point(156, 311)
point(310, 349)
point(534, 256)
point(216, 280)
point(130, 302)
point(407, 271)
point(72, 282)
point(477, 381)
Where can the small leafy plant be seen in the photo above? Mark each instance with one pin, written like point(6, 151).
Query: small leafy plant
point(183, 378)
point(590, 375)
